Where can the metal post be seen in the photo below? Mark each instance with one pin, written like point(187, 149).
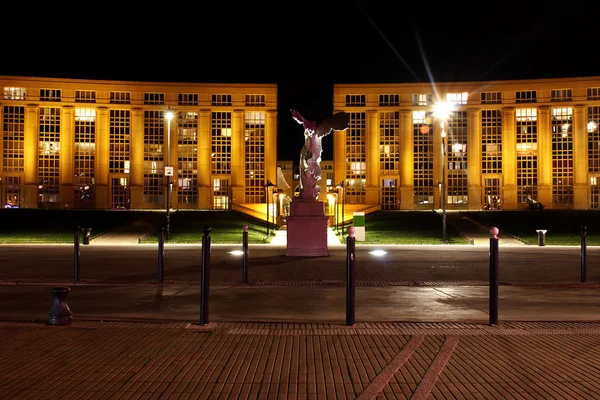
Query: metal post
point(343, 206)
point(77, 255)
point(268, 187)
point(336, 213)
point(350, 276)
point(583, 253)
point(275, 205)
point(444, 189)
point(161, 255)
point(205, 278)
point(245, 256)
point(168, 210)
point(169, 116)
point(267, 196)
point(494, 276)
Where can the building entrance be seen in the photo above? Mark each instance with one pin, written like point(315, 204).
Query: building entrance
point(12, 192)
point(119, 192)
point(492, 193)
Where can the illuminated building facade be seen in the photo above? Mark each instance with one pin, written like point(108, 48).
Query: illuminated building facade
point(70, 143)
point(506, 142)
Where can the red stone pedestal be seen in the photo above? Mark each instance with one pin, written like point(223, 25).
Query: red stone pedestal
point(306, 229)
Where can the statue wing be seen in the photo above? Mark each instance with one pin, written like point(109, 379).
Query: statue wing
point(338, 121)
point(311, 125)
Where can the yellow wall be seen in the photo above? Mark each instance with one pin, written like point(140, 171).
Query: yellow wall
point(171, 91)
point(508, 89)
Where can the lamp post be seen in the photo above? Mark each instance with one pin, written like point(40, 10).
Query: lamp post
point(168, 171)
point(341, 186)
point(442, 110)
point(268, 187)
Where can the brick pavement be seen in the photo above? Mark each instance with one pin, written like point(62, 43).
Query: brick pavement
point(125, 360)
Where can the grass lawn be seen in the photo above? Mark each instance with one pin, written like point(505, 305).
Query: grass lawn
point(382, 227)
point(407, 227)
point(563, 226)
point(227, 227)
point(57, 226)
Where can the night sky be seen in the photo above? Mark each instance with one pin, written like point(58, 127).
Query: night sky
point(304, 47)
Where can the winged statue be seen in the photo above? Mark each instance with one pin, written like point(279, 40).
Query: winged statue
point(310, 156)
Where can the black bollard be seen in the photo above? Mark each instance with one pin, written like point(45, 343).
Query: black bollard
point(583, 253)
point(350, 276)
point(245, 256)
point(77, 256)
point(60, 313)
point(161, 255)
point(494, 276)
point(205, 276)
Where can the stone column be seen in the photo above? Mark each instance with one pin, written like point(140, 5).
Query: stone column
point(438, 159)
point(136, 171)
point(509, 159)
point(271, 146)
point(102, 158)
point(407, 170)
point(372, 157)
point(67, 156)
point(204, 160)
point(173, 157)
point(581, 199)
point(30, 157)
point(238, 181)
point(474, 158)
point(544, 168)
point(339, 156)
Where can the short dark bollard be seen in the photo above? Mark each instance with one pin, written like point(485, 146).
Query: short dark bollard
point(494, 276)
point(77, 256)
point(541, 237)
point(245, 255)
point(350, 276)
point(87, 232)
point(161, 255)
point(205, 276)
point(60, 313)
point(583, 253)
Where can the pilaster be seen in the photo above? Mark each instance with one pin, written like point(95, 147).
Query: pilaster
point(372, 158)
point(271, 146)
point(339, 156)
point(102, 157)
point(30, 156)
point(237, 158)
point(438, 160)
point(173, 159)
point(136, 171)
point(474, 158)
point(67, 156)
point(544, 169)
point(509, 159)
point(406, 161)
point(580, 159)
point(204, 167)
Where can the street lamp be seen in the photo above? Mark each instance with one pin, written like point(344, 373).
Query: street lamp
point(168, 170)
point(341, 186)
point(442, 111)
point(268, 187)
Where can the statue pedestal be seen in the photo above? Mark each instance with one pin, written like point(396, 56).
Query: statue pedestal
point(306, 229)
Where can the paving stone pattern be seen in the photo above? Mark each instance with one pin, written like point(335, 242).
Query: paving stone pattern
point(126, 360)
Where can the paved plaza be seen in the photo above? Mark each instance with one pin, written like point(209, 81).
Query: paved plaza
point(421, 327)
